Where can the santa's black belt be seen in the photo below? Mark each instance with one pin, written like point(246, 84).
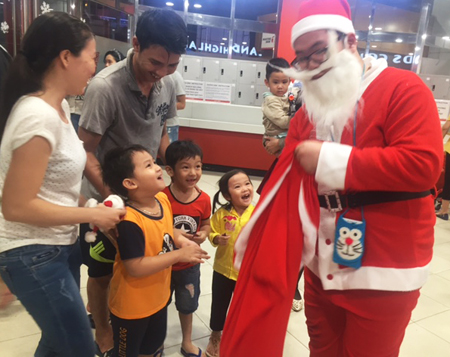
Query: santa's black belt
point(336, 202)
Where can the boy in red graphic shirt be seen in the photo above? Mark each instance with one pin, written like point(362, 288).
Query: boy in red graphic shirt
point(191, 211)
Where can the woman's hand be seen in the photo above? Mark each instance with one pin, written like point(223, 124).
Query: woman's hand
point(106, 218)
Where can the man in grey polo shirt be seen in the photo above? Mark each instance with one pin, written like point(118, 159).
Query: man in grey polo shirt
point(116, 109)
point(127, 103)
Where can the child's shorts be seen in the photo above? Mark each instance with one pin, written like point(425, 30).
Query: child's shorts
point(186, 284)
point(141, 336)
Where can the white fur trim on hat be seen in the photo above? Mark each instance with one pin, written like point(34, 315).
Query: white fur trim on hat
point(321, 22)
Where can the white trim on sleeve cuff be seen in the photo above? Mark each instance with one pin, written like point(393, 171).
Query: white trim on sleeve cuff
point(332, 165)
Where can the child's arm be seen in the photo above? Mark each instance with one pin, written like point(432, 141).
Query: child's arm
point(131, 244)
point(203, 232)
point(144, 266)
point(180, 238)
point(273, 110)
point(217, 236)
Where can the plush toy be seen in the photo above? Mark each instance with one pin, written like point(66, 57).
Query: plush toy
point(112, 201)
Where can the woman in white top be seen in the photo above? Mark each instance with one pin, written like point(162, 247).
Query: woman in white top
point(41, 165)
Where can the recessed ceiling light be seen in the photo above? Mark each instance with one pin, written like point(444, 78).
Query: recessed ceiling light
point(398, 40)
point(222, 43)
point(169, 3)
point(224, 38)
point(374, 46)
point(198, 6)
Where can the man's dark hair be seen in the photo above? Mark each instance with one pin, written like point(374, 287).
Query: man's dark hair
point(277, 61)
point(117, 166)
point(180, 150)
point(164, 28)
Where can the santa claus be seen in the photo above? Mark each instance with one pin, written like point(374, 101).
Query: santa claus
point(350, 197)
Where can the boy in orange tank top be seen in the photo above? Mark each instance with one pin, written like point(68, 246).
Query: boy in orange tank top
point(147, 249)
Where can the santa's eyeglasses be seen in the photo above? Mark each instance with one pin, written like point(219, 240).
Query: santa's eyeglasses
point(318, 57)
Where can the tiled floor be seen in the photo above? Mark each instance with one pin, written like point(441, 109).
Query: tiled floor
point(428, 334)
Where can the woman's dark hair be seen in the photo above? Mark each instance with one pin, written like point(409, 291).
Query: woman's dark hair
point(47, 36)
point(117, 166)
point(223, 189)
point(5, 60)
point(164, 28)
point(118, 56)
point(277, 61)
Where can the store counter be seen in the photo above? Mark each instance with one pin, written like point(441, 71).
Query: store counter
point(230, 135)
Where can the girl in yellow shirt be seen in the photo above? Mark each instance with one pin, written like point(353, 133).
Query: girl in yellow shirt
point(226, 224)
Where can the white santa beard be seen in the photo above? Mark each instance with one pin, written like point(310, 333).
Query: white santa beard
point(330, 100)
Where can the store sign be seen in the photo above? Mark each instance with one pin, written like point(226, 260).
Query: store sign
point(268, 41)
point(208, 47)
point(443, 108)
point(208, 92)
point(393, 60)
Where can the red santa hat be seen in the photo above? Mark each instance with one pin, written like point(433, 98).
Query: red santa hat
point(323, 15)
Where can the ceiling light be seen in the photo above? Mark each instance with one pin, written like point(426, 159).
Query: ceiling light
point(410, 54)
point(398, 40)
point(224, 38)
point(446, 38)
point(222, 43)
point(357, 37)
point(417, 48)
point(244, 43)
point(378, 28)
point(198, 6)
point(374, 46)
point(169, 3)
point(424, 37)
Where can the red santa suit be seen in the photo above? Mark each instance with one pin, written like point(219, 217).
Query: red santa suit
point(351, 312)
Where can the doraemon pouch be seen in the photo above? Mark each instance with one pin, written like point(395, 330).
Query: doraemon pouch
point(349, 241)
